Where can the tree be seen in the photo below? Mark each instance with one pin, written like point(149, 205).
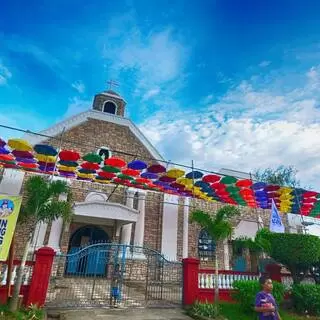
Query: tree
point(219, 228)
point(283, 176)
point(297, 252)
point(41, 204)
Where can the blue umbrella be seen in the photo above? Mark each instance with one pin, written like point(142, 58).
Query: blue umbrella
point(137, 165)
point(194, 175)
point(45, 149)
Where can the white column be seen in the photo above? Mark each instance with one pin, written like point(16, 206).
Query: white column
point(39, 235)
point(226, 255)
point(139, 230)
point(170, 226)
point(185, 241)
point(127, 228)
point(56, 229)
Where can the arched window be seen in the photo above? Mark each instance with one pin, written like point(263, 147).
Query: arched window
point(206, 246)
point(110, 107)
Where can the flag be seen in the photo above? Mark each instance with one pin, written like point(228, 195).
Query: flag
point(9, 211)
point(275, 220)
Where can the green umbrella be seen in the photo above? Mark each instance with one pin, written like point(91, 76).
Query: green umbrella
point(228, 180)
point(233, 190)
point(124, 177)
point(92, 157)
point(111, 169)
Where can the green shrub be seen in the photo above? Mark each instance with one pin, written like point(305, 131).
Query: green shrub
point(206, 310)
point(306, 298)
point(246, 292)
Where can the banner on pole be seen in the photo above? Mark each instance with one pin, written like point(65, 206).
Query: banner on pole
point(276, 224)
point(9, 212)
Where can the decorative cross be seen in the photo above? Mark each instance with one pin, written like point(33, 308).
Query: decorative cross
point(112, 83)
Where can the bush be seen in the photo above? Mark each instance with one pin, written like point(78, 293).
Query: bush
point(306, 298)
point(204, 310)
point(246, 292)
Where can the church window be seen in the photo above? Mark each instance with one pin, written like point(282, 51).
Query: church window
point(104, 152)
point(206, 246)
point(109, 107)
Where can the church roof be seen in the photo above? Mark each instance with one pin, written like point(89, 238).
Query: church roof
point(82, 117)
point(111, 93)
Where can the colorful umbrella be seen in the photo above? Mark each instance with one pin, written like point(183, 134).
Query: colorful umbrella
point(246, 183)
point(22, 154)
point(167, 179)
point(92, 157)
point(258, 186)
point(44, 158)
point(131, 172)
point(194, 175)
point(124, 177)
point(26, 160)
point(90, 165)
point(6, 157)
point(175, 173)
point(211, 178)
point(149, 175)
point(228, 180)
point(45, 149)
point(106, 175)
point(115, 162)
point(68, 163)
point(137, 165)
point(156, 168)
point(19, 144)
point(69, 155)
point(84, 170)
point(110, 169)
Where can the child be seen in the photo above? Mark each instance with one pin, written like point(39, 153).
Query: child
point(115, 283)
point(265, 303)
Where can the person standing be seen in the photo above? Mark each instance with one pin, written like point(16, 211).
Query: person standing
point(266, 305)
point(115, 286)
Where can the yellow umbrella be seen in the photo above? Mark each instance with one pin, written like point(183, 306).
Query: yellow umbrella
point(102, 181)
point(185, 181)
point(175, 173)
point(44, 158)
point(85, 175)
point(286, 196)
point(19, 145)
point(285, 190)
point(67, 169)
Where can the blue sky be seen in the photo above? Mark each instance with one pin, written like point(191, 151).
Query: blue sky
point(237, 81)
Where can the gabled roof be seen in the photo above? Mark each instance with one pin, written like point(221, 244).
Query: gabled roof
point(80, 118)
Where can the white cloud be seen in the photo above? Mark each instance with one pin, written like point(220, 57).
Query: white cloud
point(79, 86)
point(151, 93)
point(250, 127)
point(264, 63)
point(156, 60)
point(77, 105)
point(5, 74)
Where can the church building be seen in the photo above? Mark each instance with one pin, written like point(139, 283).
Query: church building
point(120, 214)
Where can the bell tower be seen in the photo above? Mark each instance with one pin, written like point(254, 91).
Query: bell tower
point(109, 102)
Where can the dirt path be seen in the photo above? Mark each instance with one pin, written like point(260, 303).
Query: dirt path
point(137, 314)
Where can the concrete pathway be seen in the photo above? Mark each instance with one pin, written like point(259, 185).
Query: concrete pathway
point(136, 314)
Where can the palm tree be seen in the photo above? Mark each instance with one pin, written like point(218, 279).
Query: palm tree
point(219, 228)
point(42, 204)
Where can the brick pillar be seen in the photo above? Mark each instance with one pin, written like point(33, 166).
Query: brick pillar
point(274, 272)
point(190, 281)
point(41, 276)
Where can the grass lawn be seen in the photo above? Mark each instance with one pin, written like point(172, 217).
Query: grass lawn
point(234, 312)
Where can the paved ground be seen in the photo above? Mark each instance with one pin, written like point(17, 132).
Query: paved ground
point(137, 314)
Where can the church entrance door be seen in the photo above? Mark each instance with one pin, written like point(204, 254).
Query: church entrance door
point(85, 259)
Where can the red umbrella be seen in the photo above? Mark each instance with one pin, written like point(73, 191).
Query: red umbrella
point(246, 192)
point(142, 180)
point(309, 194)
point(271, 188)
point(115, 162)
point(157, 168)
point(6, 157)
point(106, 175)
point(28, 165)
point(90, 165)
point(131, 172)
point(69, 155)
point(211, 178)
point(218, 186)
point(246, 183)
